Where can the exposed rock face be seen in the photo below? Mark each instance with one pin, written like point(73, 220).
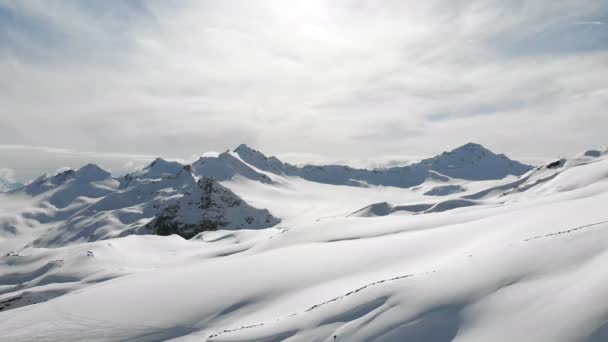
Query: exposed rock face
point(210, 206)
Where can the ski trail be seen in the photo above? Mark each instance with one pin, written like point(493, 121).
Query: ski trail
point(567, 231)
point(316, 306)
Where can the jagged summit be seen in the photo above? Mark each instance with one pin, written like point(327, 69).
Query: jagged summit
point(208, 206)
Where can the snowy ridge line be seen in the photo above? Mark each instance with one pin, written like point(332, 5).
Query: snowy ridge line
point(316, 306)
point(567, 231)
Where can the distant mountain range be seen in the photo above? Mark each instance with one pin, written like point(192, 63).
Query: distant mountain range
point(469, 162)
point(166, 197)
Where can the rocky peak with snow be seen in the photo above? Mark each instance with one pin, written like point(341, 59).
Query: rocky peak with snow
point(176, 203)
point(209, 206)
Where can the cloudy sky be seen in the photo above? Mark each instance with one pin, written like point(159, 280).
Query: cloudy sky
point(119, 82)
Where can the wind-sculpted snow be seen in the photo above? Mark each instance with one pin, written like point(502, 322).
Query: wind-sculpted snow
point(518, 259)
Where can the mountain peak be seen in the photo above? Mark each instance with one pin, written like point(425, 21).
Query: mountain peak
point(472, 147)
point(157, 161)
point(163, 164)
point(158, 168)
point(243, 147)
point(92, 172)
point(473, 161)
point(264, 163)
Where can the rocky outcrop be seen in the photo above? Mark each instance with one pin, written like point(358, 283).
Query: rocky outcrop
point(210, 206)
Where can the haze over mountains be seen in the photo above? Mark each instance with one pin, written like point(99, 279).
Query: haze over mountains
point(6, 185)
point(243, 247)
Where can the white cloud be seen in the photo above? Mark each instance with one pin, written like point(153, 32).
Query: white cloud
point(7, 174)
point(348, 79)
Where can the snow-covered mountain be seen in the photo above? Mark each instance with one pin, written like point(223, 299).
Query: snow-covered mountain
point(227, 166)
point(164, 197)
point(167, 197)
point(469, 162)
point(553, 177)
point(158, 169)
point(465, 255)
point(209, 206)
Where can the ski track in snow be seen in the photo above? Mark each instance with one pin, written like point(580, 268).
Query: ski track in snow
point(562, 232)
point(316, 306)
point(383, 281)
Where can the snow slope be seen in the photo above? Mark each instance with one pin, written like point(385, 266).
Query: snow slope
point(524, 263)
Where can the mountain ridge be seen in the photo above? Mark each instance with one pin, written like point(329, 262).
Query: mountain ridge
point(470, 162)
